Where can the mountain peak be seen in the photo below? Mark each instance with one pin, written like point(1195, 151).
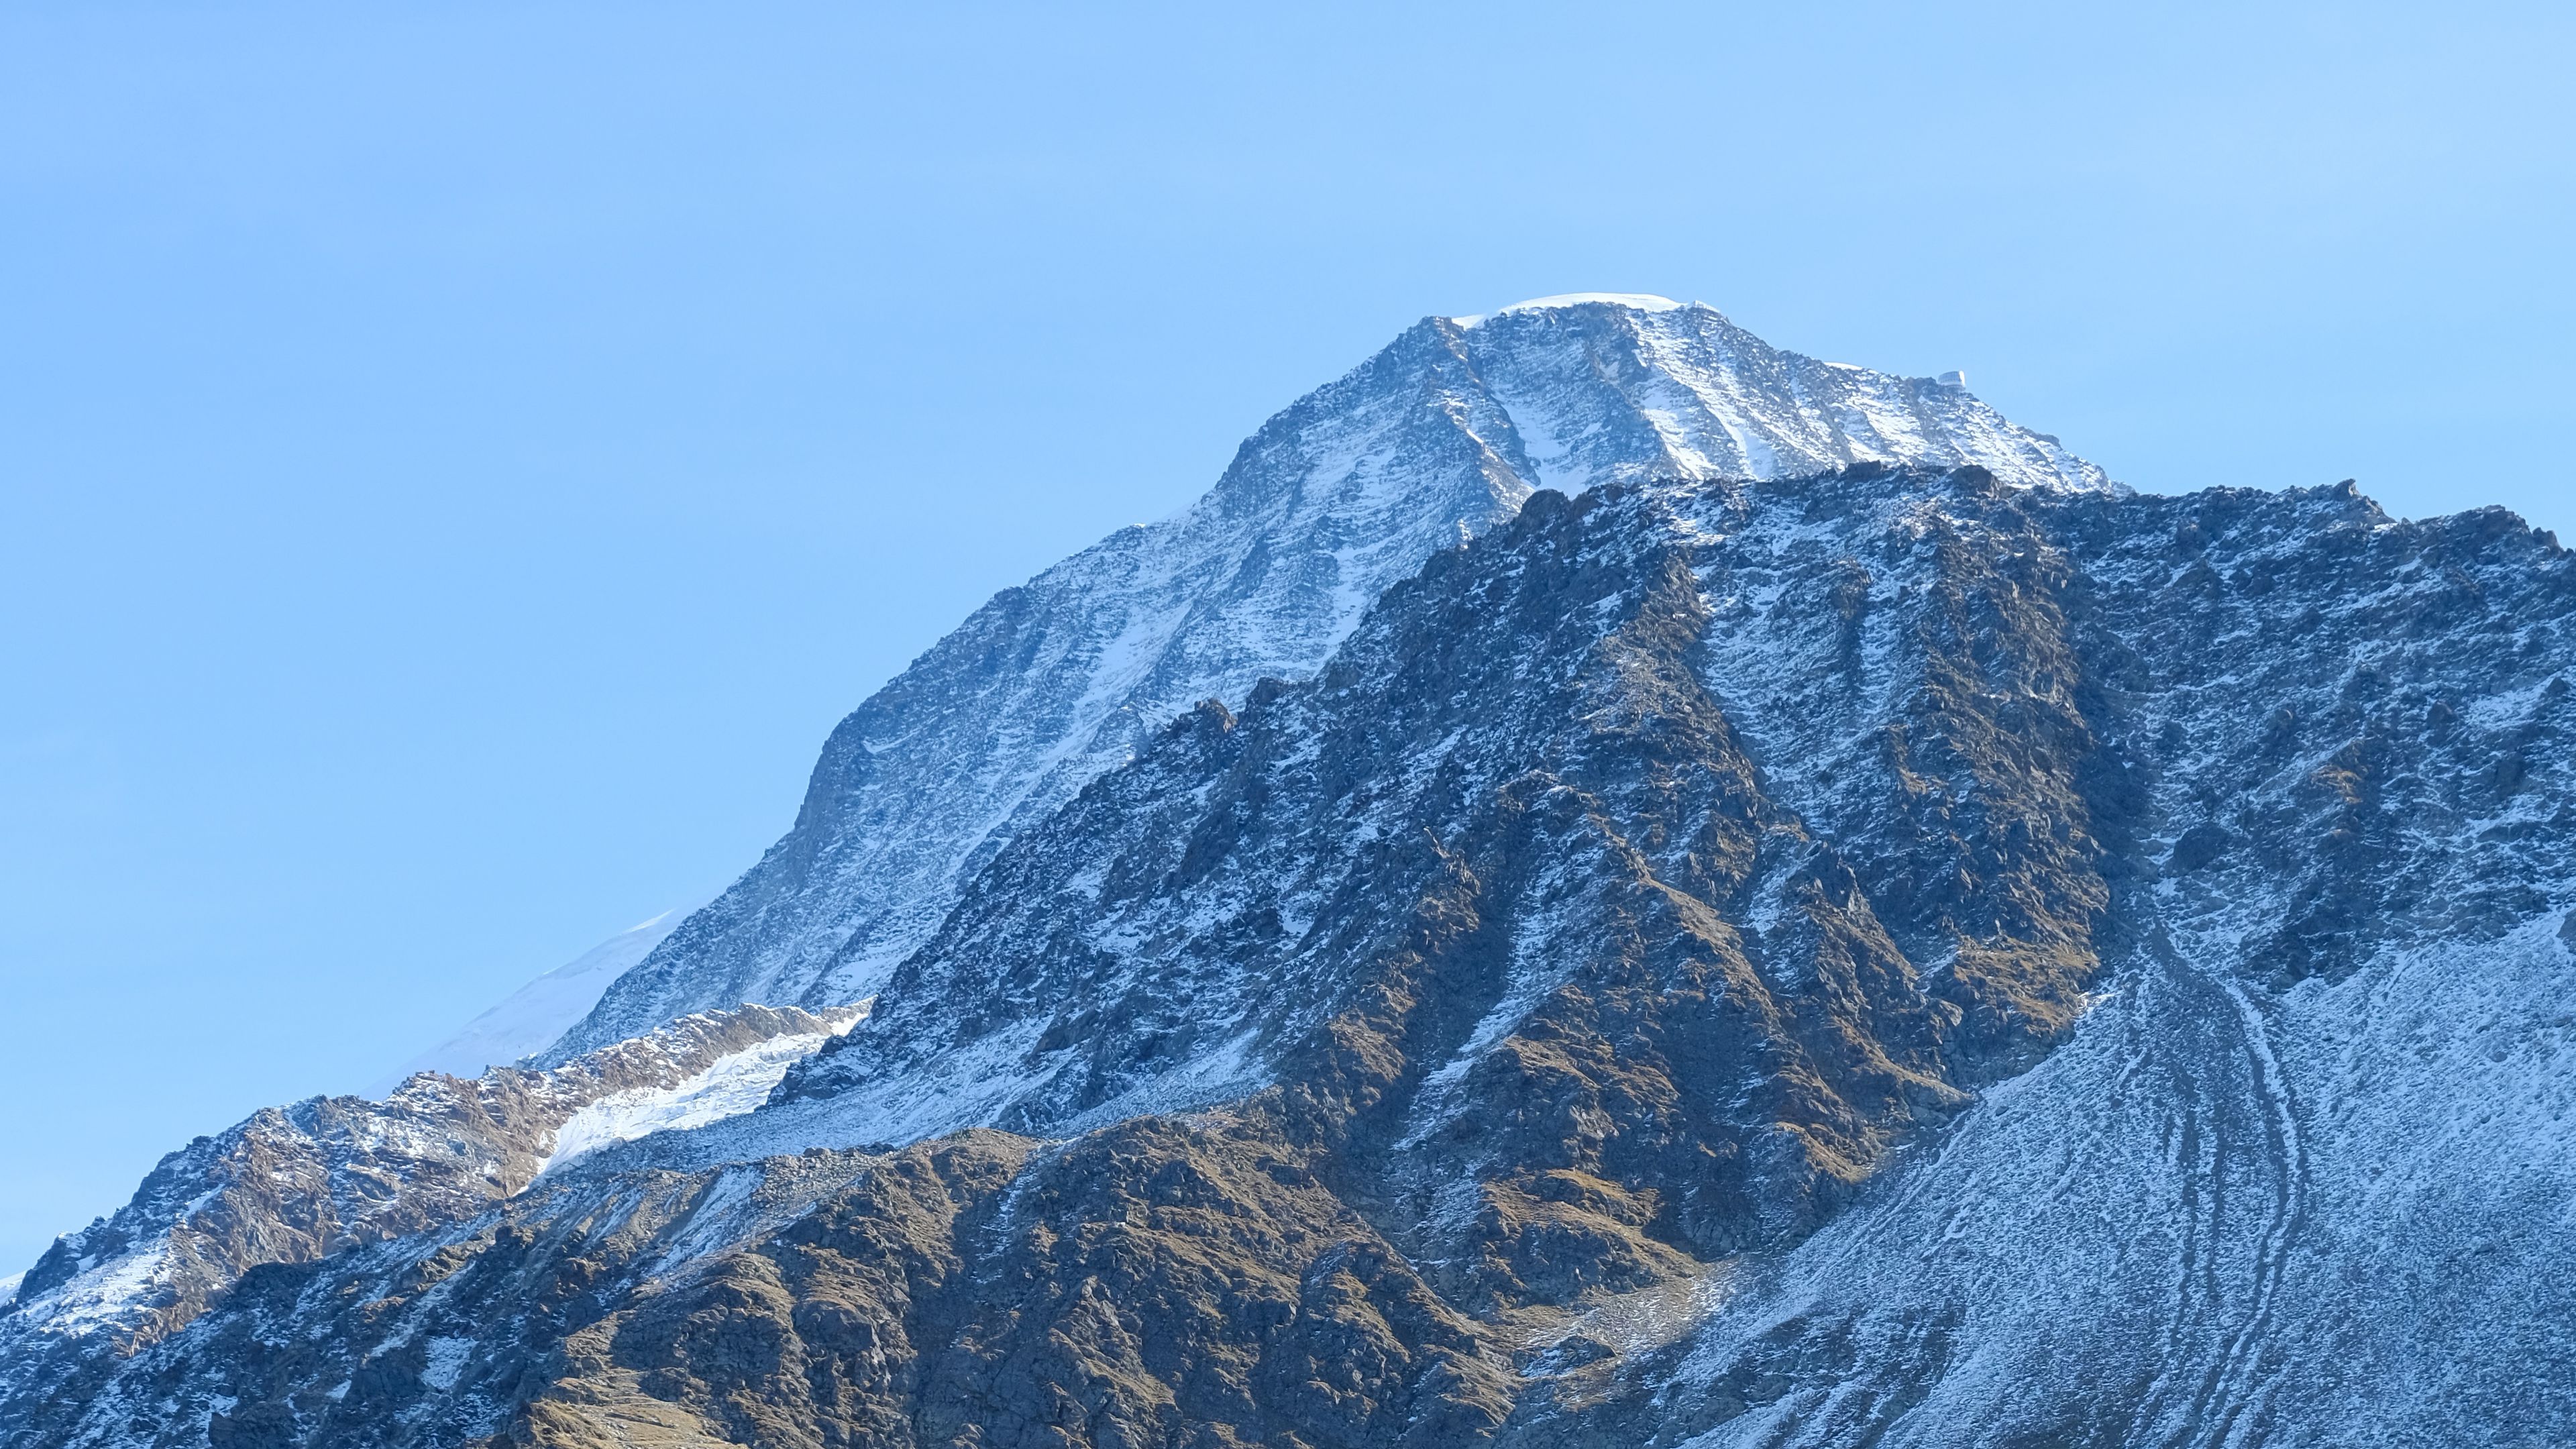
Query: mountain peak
point(1439, 436)
point(1610, 883)
point(1634, 301)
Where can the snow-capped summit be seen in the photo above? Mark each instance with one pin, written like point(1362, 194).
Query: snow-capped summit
point(1636, 301)
point(1438, 437)
point(1596, 385)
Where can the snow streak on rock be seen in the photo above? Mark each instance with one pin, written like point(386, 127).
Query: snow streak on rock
point(729, 1086)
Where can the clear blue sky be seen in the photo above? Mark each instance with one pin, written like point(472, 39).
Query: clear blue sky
point(457, 461)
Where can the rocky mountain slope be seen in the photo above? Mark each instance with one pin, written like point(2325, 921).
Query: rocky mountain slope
point(1434, 439)
point(2306, 1177)
point(1775, 949)
point(1883, 956)
point(295, 1184)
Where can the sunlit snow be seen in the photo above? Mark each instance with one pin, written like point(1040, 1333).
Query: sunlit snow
point(1640, 301)
point(729, 1087)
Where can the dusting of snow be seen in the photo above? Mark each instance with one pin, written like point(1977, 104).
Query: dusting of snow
point(1541, 961)
point(2261, 1203)
point(445, 1361)
point(2241, 1200)
point(1227, 1071)
point(722, 1215)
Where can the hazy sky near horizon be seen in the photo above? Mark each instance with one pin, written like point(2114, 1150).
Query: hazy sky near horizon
point(458, 461)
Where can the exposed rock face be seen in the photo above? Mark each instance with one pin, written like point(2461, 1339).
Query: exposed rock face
point(294, 1184)
point(1437, 438)
point(1884, 957)
point(1508, 903)
point(2304, 1179)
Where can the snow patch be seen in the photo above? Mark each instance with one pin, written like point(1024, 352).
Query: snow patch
point(729, 1087)
point(446, 1361)
point(94, 1298)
